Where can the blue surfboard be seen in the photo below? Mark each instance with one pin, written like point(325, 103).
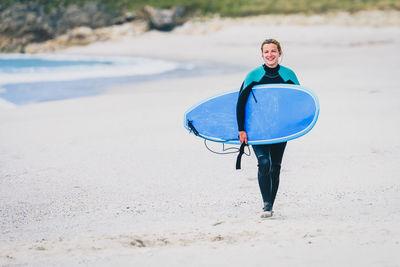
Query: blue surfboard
point(282, 112)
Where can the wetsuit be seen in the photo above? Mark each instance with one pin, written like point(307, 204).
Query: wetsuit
point(269, 157)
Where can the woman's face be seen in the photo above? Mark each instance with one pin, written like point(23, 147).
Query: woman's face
point(270, 55)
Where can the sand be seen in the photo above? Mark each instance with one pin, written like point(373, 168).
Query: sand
point(115, 179)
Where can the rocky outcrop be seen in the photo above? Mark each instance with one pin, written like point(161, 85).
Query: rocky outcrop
point(90, 15)
point(24, 24)
point(27, 25)
point(164, 19)
point(85, 35)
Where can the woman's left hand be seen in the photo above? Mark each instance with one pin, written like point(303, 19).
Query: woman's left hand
point(243, 137)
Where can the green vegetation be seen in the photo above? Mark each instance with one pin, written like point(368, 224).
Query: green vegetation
point(232, 7)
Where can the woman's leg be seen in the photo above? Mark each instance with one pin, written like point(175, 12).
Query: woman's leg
point(263, 153)
point(276, 160)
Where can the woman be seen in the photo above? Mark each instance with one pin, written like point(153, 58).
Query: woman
point(269, 156)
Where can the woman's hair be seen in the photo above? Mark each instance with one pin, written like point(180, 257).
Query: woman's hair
point(272, 41)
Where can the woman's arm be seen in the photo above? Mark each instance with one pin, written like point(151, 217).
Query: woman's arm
point(240, 111)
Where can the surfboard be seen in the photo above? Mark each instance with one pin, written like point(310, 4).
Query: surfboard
point(279, 113)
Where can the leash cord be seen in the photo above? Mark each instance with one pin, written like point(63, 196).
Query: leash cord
point(226, 151)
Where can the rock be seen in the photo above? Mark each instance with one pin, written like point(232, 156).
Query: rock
point(23, 20)
point(91, 15)
point(85, 35)
point(164, 19)
point(125, 17)
point(81, 32)
point(28, 27)
point(23, 24)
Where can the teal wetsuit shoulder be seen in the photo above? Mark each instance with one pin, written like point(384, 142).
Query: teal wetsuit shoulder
point(254, 76)
point(288, 75)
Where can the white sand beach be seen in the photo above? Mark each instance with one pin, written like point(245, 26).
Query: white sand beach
point(116, 180)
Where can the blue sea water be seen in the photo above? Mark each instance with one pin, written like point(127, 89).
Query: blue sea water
point(28, 79)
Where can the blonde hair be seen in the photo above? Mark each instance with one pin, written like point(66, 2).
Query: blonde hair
point(272, 41)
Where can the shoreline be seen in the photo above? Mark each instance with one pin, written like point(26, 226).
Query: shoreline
point(36, 89)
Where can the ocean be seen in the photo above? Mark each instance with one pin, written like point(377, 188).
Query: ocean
point(26, 79)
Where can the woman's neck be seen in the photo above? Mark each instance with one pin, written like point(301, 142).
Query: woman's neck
point(271, 69)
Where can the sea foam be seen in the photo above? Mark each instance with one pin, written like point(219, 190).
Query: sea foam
point(17, 68)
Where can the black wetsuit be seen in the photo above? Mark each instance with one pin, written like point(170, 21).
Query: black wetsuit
point(269, 156)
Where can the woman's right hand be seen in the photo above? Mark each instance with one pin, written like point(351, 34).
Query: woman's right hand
point(243, 137)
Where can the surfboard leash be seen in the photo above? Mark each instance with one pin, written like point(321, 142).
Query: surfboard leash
point(239, 157)
point(225, 151)
point(240, 151)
